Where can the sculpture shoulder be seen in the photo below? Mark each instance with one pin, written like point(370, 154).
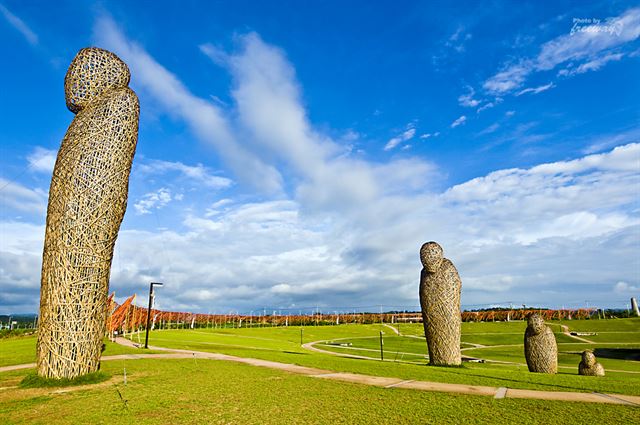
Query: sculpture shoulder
point(121, 102)
point(123, 96)
point(447, 268)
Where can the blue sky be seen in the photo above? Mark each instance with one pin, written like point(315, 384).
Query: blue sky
point(294, 154)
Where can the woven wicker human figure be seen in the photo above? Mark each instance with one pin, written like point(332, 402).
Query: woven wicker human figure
point(440, 288)
point(589, 365)
point(87, 202)
point(540, 348)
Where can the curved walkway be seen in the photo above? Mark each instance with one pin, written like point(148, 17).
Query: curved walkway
point(378, 381)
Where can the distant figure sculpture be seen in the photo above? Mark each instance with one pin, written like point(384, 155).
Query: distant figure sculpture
point(87, 202)
point(589, 366)
point(540, 348)
point(634, 307)
point(440, 288)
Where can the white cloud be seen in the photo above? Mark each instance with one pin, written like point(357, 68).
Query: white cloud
point(598, 144)
point(153, 200)
point(459, 121)
point(625, 288)
point(509, 78)
point(198, 173)
point(20, 198)
point(350, 229)
point(19, 25)
point(206, 120)
point(489, 105)
point(467, 100)
point(405, 136)
point(42, 160)
point(591, 49)
point(458, 39)
point(592, 65)
point(515, 232)
point(491, 129)
point(536, 90)
point(270, 111)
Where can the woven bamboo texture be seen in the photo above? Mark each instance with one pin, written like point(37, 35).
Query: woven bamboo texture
point(589, 366)
point(87, 202)
point(440, 288)
point(540, 348)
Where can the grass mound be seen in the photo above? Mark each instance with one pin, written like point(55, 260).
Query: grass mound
point(32, 380)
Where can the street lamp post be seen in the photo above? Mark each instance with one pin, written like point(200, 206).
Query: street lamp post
point(151, 296)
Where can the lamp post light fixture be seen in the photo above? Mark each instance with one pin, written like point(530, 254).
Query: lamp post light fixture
point(151, 297)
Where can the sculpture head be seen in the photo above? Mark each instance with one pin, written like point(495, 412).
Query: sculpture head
point(431, 255)
point(588, 358)
point(536, 323)
point(92, 72)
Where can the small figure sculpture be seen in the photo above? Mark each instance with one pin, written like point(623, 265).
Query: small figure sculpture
point(540, 348)
point(87, 202)
point(589, 366)
point(440, 288)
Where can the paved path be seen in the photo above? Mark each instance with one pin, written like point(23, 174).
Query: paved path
point(565, 330)
point(393, 328)
point(378, 381)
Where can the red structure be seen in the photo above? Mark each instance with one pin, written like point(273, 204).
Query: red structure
point(127, 317)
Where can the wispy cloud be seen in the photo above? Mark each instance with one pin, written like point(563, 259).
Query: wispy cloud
point(42, 160)
point(459, 121)
point(590, 49)
point(429, 135)
point(19, 25)
point(467, 99)
point(492, 104)
point(18, 197)
point(198, 173)
point(592, 65)
point(491, 129)
point(206, 120)
point(153, 200)
point(405, 136)
point(536, 90)
point(458, 39)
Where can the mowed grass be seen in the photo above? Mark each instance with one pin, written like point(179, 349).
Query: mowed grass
point(22, 350)
point(283, 345)
point(207, 391)
point(218, 392)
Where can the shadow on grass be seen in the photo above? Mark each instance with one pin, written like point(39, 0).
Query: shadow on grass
point(32, 380)
point(519, 381)
point(618, 353)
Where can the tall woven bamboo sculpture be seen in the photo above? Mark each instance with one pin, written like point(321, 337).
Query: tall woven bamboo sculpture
point(440, 288)
point(540, 348)
point(87, 202)
point(589, 365)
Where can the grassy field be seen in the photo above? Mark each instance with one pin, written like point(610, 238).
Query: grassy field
point(190, 391)
point(22, 349)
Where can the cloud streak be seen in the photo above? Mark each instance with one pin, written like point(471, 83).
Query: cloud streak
point(582, 51)
point(206, 120)
point(18, 24)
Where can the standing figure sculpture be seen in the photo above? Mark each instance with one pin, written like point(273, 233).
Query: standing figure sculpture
point(87, 202)
point(589, 366)
point(540, 348)
point(440, 288)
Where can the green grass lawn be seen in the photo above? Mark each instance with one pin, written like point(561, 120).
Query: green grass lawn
point(283, 344)
point(216, 392)
point(206, 391)
point(22, 349)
